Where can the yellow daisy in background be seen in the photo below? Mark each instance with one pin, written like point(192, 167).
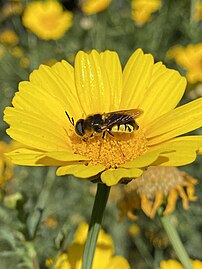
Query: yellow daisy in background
point(17, 52)
point(173, 264)
point(8, 38)
point(6, 166)
point(198, 11)
point(90, 7)
point(196, 264)
point(58, 97)
point(190, 58)
point(142, 10)
point(47, 19)
point(157, 186)
point(104, 254)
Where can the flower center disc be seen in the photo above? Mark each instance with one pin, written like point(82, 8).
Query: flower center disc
point(111, 151)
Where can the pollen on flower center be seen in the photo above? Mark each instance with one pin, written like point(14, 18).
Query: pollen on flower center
point(111, 151)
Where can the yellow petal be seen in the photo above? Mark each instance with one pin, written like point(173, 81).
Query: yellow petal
point(94, 6)
point(34, 99)
point(104, 251)
point(176, 122)
point(165, 264)
point(113, 176)
point(65, 75)
point(82, 171)
point(93, 83)
point(171, 202)
point(24, 156)
point(146, 204)
point(65, 156)
point(38, 131)
point(152, 87)
point(196, 264)
point(103, 238)
point(163, 93)
point(81, 233)
point(157, 203)
point(75, 252)
point(118, 262)
point(58, 81)
point(183, 195)
point(62, 262)
point(145, 159)
point(114, 73)
point(183, 150)
point(136, 78)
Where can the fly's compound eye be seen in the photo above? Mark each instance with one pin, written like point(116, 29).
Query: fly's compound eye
point(79, 128)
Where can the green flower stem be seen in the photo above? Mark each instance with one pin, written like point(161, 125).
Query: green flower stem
point(95, 224)
point(143, 250)
point(175, 241)
point(35, 218)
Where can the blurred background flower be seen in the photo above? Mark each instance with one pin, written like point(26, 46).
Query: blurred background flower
point(94, 6)
point(156, 187)
point(142, 10)
point(104, 254)
point(198, 11)
point(8, 38)
point(189, 58)
point(6, 166)
point(174, 264)
point(47, 19)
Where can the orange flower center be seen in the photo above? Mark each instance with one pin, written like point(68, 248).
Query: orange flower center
point(49, 21)
point(111, 151)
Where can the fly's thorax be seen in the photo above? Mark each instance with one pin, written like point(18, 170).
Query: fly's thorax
point(94, 123)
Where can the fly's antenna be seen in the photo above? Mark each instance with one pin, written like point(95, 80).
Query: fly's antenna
point(71, 120)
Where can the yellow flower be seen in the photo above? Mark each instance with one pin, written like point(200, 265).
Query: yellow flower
point(142, 10)
point(157, 238)
point(196, 264)
point(173, 264)
point(6, 166)
point(96, 84)
point(104, 254)
point(24, 62)
point(51, 222)
point(198, 11)
point(51, 62)
point(170, 264)
point(47, 19)
point(17, 52)
point(157, 186)
point(134, 230)
point(94, 6)
point(9, 38)
point(190, 58)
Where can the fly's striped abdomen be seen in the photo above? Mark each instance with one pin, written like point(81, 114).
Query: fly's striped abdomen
point(122, 128)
